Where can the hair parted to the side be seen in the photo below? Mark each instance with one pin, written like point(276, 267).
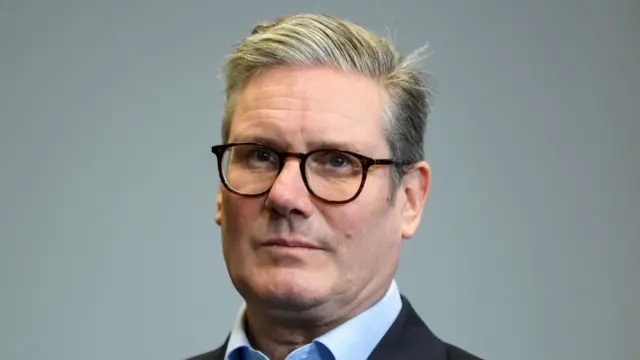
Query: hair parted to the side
point(315, 40)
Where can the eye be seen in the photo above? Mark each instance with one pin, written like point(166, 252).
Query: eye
point(253, 156)
point(334, 160)
point(262, 154)
point(338, 160)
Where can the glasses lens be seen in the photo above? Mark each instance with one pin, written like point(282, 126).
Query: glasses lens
point(334, 175)
point(250, 169)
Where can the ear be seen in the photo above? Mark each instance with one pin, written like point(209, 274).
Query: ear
point(416, 184)
point(218, 216)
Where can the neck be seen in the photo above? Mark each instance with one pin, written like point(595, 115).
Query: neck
point(278, 339)
point(278, 332)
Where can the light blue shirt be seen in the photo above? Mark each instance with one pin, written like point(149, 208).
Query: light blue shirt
point(353, 340)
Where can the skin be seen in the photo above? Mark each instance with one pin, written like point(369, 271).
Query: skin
point(296, 295)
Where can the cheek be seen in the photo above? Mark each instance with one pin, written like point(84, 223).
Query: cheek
point(348, 224)
point(357, 223)
point(238, 215)
point(365, 225)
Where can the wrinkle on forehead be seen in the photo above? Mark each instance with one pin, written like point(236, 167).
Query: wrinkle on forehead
point(302, 104)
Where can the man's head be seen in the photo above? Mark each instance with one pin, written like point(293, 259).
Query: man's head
point(300, 84)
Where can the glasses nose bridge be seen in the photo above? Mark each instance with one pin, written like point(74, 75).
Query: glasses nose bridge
point(285, 155)
point(283, 161)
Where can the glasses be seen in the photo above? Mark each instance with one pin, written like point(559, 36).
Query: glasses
point(334, 176)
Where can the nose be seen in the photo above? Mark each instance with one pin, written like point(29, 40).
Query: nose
point(288, 194)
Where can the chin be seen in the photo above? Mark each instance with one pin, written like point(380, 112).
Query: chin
point(285, 289)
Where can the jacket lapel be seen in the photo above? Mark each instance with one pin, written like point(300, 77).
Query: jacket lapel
point(409, 338)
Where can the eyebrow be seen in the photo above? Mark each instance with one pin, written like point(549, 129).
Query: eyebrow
point(338, 145)
point(268, 141)
point(312, 145)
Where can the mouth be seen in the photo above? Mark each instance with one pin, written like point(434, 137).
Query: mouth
point(291, 244)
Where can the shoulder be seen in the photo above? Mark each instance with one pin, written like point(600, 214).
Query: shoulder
point(455, 353)
point(217, 354)
point(411, 339)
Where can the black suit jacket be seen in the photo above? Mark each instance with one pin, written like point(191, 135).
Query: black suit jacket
point(408, 338)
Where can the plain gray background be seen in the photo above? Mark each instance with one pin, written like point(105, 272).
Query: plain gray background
point(530, 241)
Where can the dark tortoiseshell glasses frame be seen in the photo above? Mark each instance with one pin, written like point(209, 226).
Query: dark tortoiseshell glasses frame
point(365, 162)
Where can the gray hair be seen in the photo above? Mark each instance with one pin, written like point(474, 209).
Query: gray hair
point(323, 40)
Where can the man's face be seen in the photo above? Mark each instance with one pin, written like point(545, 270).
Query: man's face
point(299, 110)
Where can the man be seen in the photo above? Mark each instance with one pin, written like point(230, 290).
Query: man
point(323, 178)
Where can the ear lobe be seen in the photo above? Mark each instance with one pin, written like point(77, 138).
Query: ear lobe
point(218, 216)
point(416, 187)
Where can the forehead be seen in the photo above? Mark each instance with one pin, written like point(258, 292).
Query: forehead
point(304, 105)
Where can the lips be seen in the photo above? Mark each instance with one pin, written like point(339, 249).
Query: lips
point(291, 243)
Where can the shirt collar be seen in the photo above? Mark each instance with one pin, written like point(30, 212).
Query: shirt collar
point(355, 339)
point(238, 338)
